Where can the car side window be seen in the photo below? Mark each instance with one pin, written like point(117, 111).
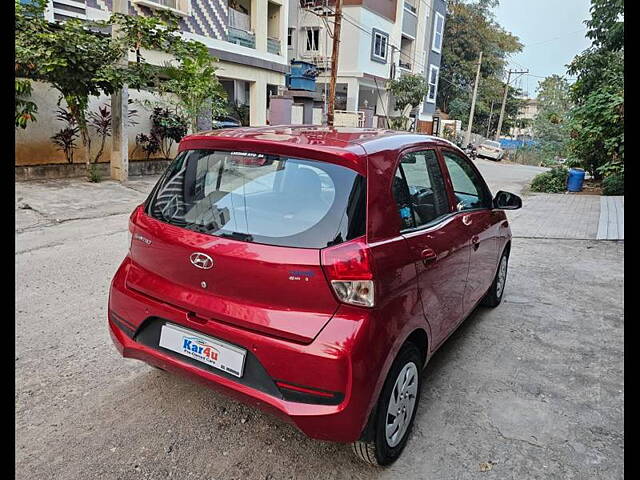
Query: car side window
point(419, 190)
point(468, 187)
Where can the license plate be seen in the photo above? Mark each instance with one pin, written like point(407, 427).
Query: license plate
point(205, 349)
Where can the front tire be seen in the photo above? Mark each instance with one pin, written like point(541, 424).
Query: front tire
point(493, 298)
point(395, 411)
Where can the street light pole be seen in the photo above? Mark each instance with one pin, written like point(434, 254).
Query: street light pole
point(504, 100)
point(473, 102)
point(490, 115)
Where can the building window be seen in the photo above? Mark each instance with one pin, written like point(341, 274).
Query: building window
point(434, 72)
point(379, 42)
point(313, 39)
point(438, 31)
point(409, 5)
point(290, 38)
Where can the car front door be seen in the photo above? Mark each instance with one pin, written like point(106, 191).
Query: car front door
point(432, 232)
point(481, 225)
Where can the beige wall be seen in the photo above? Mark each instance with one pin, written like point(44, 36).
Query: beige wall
point(34, 146)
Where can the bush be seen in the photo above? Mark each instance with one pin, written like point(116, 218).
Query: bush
point(549, 162)
point(613, 184)
point(167, 127)
point(573, 163)
point(94, 173)
point(553, 181)
point(528, 155)
point(150, 144)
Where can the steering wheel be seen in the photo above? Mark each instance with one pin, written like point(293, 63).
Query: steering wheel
point(418, 193)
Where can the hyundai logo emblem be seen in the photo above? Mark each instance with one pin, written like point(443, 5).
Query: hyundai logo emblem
point(201, 260)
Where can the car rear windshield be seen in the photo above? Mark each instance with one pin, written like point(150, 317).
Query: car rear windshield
point(489, 143)
point(261, 198)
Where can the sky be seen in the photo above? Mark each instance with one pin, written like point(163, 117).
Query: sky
point(552, 33)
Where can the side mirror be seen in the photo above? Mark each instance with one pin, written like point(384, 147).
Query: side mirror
point(507, 201)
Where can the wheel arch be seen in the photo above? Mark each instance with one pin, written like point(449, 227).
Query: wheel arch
point(419, 337)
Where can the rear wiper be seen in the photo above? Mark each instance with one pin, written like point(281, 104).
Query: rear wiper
point(197, 227)
point(243, 237)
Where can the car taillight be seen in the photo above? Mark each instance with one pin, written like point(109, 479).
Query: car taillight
point(131, 225)
point(348, 269)
point(130, 237)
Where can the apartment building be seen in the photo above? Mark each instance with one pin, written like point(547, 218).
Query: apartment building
point(523, 128)
point(433, 55)
point(380, 40)
point(247, 36)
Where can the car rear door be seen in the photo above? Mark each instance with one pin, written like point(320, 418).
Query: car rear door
point(479, 223)
point(434, 237)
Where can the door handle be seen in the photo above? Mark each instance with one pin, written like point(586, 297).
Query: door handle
point(475, 241)
point(427, 255)
point(466, 219)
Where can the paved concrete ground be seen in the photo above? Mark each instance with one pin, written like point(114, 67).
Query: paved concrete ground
point(556, 216)
point(569, 215)
point(611, 224)
point(510, 177)
point(534, 386)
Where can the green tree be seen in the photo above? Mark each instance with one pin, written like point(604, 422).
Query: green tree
point(551, 123)
point(470, 28)
point(408, 90)
point(597, 121)
point(25, 108)
point(606, 26)
point(75, 60)
point(192, 86)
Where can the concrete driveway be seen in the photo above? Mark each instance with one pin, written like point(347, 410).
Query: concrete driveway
point(534, 387)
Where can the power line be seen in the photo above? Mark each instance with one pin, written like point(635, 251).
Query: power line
point(355, 23)
point(555, 38)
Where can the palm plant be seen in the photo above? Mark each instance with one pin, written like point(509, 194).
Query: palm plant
point(65, 139)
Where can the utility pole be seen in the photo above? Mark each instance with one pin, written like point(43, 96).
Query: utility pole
point(119, 113)
point(490, 115)
point(473, 103)
point(337, 25)
point(504, 99)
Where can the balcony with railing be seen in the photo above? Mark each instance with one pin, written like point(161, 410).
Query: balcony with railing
point(180, 7)
point(410, 19)
point(240, 29)
point(166, 3)
point(273, 28)
point(406, 53)
point(410, 5)
point(273, 45)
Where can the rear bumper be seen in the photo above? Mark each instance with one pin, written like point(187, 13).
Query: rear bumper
point(326, 364)
point(492, 155)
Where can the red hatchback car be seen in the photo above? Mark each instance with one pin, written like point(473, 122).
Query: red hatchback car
point(311, 272)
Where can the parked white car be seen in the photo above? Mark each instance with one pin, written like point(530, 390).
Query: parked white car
point(490, 149)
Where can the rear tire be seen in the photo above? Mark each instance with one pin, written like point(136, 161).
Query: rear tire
point(392, 422)
point(493, 298)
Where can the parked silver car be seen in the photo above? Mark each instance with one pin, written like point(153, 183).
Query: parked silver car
point(490, 149)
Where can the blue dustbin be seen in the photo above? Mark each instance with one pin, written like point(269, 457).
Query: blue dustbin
point(575, 180)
